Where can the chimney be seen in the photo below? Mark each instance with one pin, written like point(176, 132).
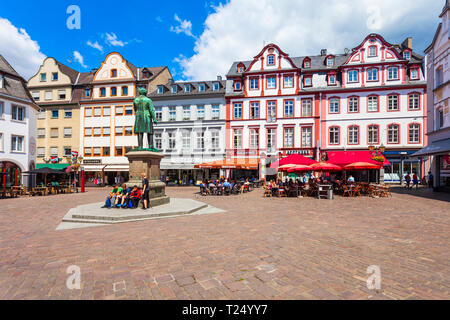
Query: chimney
point(407, 43)
point(323, 52)
point(219, 78)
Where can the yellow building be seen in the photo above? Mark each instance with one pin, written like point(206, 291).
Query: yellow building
point(58, 122)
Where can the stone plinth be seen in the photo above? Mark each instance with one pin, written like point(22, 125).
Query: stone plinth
point(148, 162)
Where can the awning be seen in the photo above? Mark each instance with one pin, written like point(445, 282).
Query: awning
point(234, 163)
point(56, 166)
point(437, 147)
point(293, 159)
point(343, 158)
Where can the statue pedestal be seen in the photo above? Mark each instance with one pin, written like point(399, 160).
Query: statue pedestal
point(148, 162)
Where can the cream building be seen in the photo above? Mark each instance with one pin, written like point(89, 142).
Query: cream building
point(58, 122)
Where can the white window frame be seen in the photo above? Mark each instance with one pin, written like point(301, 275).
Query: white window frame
point(14, 143)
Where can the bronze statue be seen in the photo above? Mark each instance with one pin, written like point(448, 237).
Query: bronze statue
point(145, 117)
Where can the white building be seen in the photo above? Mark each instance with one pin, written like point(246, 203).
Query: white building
point(17, 127)
point(191, 128)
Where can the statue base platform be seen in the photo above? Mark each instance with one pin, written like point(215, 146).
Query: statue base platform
point(148, 162)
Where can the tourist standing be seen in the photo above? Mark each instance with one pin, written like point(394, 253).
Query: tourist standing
point(145, 191)
point(408, 180)
point(415, 181)
point(430, 179)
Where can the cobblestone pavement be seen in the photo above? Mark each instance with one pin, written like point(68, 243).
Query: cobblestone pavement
point(260, 248)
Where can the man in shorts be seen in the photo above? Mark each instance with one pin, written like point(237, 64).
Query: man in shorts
point(145, 191)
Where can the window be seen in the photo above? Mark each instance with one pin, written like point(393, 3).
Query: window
point(172, 141)
point(333, 135)
point(306, 137)
point(2, 109)
point(306, 108)
point(307, 81)
point(106, 111)
point(53, 151)
point(160, 89)
point(87, 151)
point(215, 111)
point(237, 110)
point(200, 112)
point(332, 79)
point(237, 86)
point(353, 104)
point(158, 113)
point(55, 114)
point(353, 135)
point(241, 69)
point(106, 131)
point(216, 86)
point(441, 118)
point(271, 111)
point(254, 110)
point(67, 151)
point(254, 138)
point(372, 134)
point(18, 113)
point(393, 132)
point(48, 95)
point(414, 101)
point(372, 51)
point(200, 140)
point(146, 74)
point(414, 133)
point(271, 140)
point(68, 132)
point(414, 75)
point(87, 92)
point(372, 104)
point(102, 92)
point(158, 140)
point(307, 63)
point(271, 60)
point(288, 81)
point(88, 112)
point(17, 144)
point(333, 105)
point(393, 73)
point(119, 151)
point(41, 152)
point(393, 102)
point(97, 112)
point(237, 138)
point(41, 114)
point(186, 139)
point(201, 87)
point(41, 132)
point(172, 113)
point(187, 88)
point(1, 143)
point(119, 110)
point(113, 73)
point(186, 112)
point(128, 110)
point(43, 77)
point(119, 131)
point(254, 83)
point(372, 74)
point(330, 62)
point(87, 132)
point(54, 133)
point(215, 139)
point(288, 108)
point(36, 95)
point(288, 137)
point(406, 55)
point(271, 82)
point(353, 76)
point(439, 76)
point(113, 91)
point(97, 132)
point(62, 94)
point(67, 113)
point(124, 90)
point(106, 151)
point(128, 130)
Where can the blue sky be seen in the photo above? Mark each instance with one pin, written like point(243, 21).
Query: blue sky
point(200, 39)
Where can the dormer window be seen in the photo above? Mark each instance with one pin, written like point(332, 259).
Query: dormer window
point(271, 60)
point(187, 88)
point(241, 69)
point(406, 55)
point(160, 89)
point(146, 74)
point(216, 86)
point(372, 51)
point(414, 73)
point(330, 61)
point(174, 88)
point(201, 87)
point(87, 92)
point(307, 63)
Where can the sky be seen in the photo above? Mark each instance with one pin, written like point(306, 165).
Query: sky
point(198, 39)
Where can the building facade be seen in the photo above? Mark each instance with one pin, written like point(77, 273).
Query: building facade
point(373, 96)
point(58, 122)
point(107, 115)
point(438, 90)
point(17, 127)
point(191, 128)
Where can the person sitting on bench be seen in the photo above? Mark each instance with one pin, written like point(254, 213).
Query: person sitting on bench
point(122, 201)
point(135, 196)
point(111, 198)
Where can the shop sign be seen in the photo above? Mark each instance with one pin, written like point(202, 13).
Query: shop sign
point(92, 161)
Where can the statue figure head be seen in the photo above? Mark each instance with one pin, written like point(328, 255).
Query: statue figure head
point(143, 91)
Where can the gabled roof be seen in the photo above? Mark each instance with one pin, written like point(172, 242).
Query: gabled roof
point(436, 34)
point(71, 73)
point(6, 67)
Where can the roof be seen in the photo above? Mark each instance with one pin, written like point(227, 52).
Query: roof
point(71, 73)
point(194, 89)
point(13, 84)
point(6, 67)
point(436, 147)
point(446, 7)
point(154, 71)
point(436, 34)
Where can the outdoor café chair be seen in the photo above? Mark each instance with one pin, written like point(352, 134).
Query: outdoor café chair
point(267, 192)
point(356, 191)
point(347, 191)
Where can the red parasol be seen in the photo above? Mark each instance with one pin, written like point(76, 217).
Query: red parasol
point(293, 159)
point(361, 166)
point(300, 167)
point(325, 166)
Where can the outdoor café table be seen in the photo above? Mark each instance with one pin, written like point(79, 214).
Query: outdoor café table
point(42, 190)
point(323, 190)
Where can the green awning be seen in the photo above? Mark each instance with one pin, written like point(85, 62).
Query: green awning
point(56, 166)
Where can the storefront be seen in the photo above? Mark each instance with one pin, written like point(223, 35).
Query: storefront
point(11, 174)
point(234, 168)
point(402, 163)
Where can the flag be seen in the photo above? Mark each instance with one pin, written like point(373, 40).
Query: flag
point(74, 153)
point(54, 159)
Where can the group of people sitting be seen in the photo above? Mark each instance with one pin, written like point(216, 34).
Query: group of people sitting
point(224, 186)
point(123, 197)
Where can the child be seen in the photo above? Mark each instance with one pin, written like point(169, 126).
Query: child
point(135, 196)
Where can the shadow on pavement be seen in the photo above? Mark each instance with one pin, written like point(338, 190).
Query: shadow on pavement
point(423, 192)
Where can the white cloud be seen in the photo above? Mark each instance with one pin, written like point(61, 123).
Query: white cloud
point(237, 30)
point(111, 39)
point(185, 26)
point(79, 58)
point(95, 45)
point(159, 19)
point(19, 49)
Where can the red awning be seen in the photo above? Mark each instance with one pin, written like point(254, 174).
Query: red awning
point(343, 158)
point(293, 159)
point(234, 163)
